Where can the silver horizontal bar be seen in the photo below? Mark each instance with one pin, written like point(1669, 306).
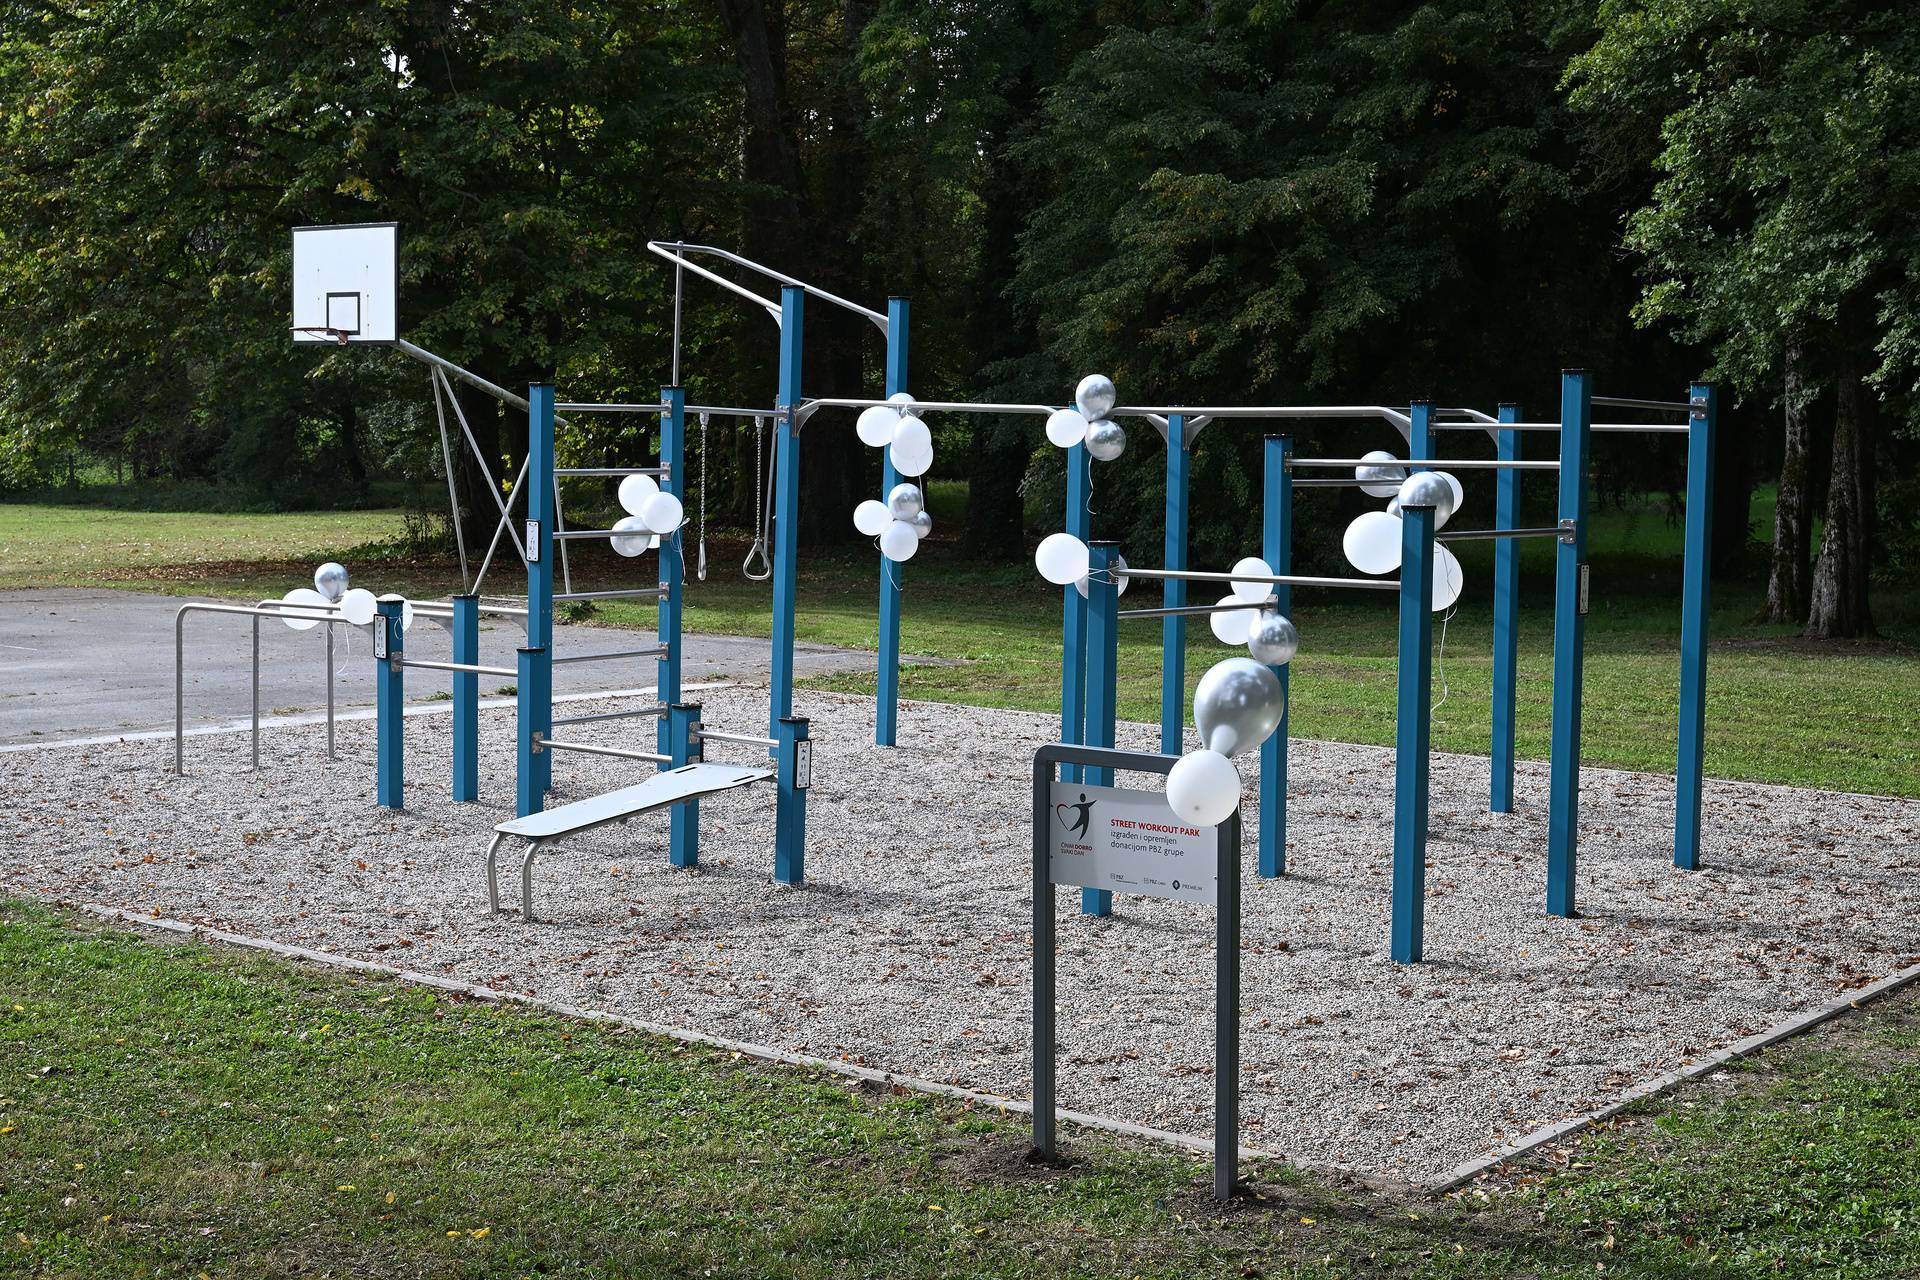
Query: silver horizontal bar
point(575, 407)
point(632, 593)
point(660, 652)
point(1194, 610)
point(662, 247)
point(612, 471)
point(1333, 484)
point(1272, 579)
point(743, 739)
point(654, 712)
point(1630, 402)
point(465, 667)
point(933, 406)
point(728, 410)
point(653, 757)
point(1465, 464)
point(1646, 428)
point(1487, 535)
point(570, 534)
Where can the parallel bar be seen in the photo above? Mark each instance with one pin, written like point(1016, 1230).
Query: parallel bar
point(611, 471)
point(576, 407)
point(631, 593)
point(671, 250)
point(568, 535)
point(1332, 484)
point(1642, 428)
point(1191, 611)
point(653, 712)
point(1274, 579)
point(1506, 620)
point(1412, 736)
point(1697, 577)
point(1173, 592)
point(1489, 535)
point(1276, 544)
point(886, 698)
point(1457, 464)
point(465, 667)
point(933, 406)
point(1569, 636)
point(740, 739)
point(659, 652)
point(652, 757)
point(725, 410)
point(1630, 402)
point(1103, 679)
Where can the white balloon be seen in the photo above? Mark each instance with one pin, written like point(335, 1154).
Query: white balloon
point(871, 517)
point(641, 541)
point(905, 502)
point(663, 513)
point(1120, 584)
point(1066, 427)
point(901, 398)
point(912, 447)
point(1385, 479)
point(1237, 705)
point(1061, 558)
point(1095, 396)
point(406, 609)
point(922, 524)
point(1372, 542)
point(1204, 788)
point(1257, 567)
point(635, 491)
point(1106, 440)
point(1232, 626)
point(899, 541)
point(1448, 578)
point(1459, 496)
point(330, 580)
point(1393, 506)
point(1430, 489)
point(1274, 639)
point(308, 600)
point(876, 425)
point(357, 606)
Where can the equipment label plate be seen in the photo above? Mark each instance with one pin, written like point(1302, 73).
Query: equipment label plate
point(1129, 841)
point(380, 637)
point(533, 542)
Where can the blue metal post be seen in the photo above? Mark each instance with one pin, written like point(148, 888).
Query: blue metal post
point(540, 504)
point(1073, 656)
point(1413, 718)
point(529, 796)
point(1506, 615)
point(1420, 432)
point(793, 774)
point(673, 568)
point(786, 505)
point(886, 705)
point(1703, 414)
point(390, 710)
point(682, 747)
point(1103, 681)
point(1173, 593)
point(1276, 548)
point(466, 699)
point(1569, 642)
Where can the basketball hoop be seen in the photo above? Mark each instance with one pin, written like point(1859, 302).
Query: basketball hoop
point(338, 335)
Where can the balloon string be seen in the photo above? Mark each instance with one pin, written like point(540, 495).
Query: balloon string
point(1440, 661)
point(1090, 510)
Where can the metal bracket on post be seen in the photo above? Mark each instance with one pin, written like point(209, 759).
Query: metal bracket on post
point(1568, 528)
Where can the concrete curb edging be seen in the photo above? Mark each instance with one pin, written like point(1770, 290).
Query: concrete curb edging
point(1660, 1084)
point(764, 1053)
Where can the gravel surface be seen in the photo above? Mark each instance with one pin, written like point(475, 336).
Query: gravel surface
point(908, 950)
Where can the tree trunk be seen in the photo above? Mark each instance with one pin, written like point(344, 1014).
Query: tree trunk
point(1788, 589)
point(1838, 607)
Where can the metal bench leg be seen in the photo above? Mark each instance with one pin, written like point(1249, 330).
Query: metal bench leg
point(493, 872)
point(526, 882)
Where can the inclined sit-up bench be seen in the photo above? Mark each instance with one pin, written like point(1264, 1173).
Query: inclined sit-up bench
point(681, 786)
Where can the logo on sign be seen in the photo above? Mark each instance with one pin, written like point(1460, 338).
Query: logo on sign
point(1075, 819)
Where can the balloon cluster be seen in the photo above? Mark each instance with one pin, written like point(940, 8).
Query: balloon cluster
point(1087, 422)
point(1236, 706)
point(330, 592)
point(1372, 541)
point(902, 520)
point(651, 513)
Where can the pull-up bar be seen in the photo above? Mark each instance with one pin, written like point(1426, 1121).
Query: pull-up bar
point(1271, 579)
point(1472, 464)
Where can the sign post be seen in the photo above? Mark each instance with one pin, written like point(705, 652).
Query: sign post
point(1128, 841)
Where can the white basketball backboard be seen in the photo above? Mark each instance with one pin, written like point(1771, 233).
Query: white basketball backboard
point(346, 283)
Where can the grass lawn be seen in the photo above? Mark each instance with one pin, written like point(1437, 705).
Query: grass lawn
point(1780, 709)
point(176, 1110)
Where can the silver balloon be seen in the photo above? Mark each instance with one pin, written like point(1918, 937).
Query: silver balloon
point(1120, 582)
point(922, 524)
point(905, 502)
point(1428, 489)
point(1095, 396)
point(1274, 640)
point(330, 580)
point(1237, 706)
point(1106, 440)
